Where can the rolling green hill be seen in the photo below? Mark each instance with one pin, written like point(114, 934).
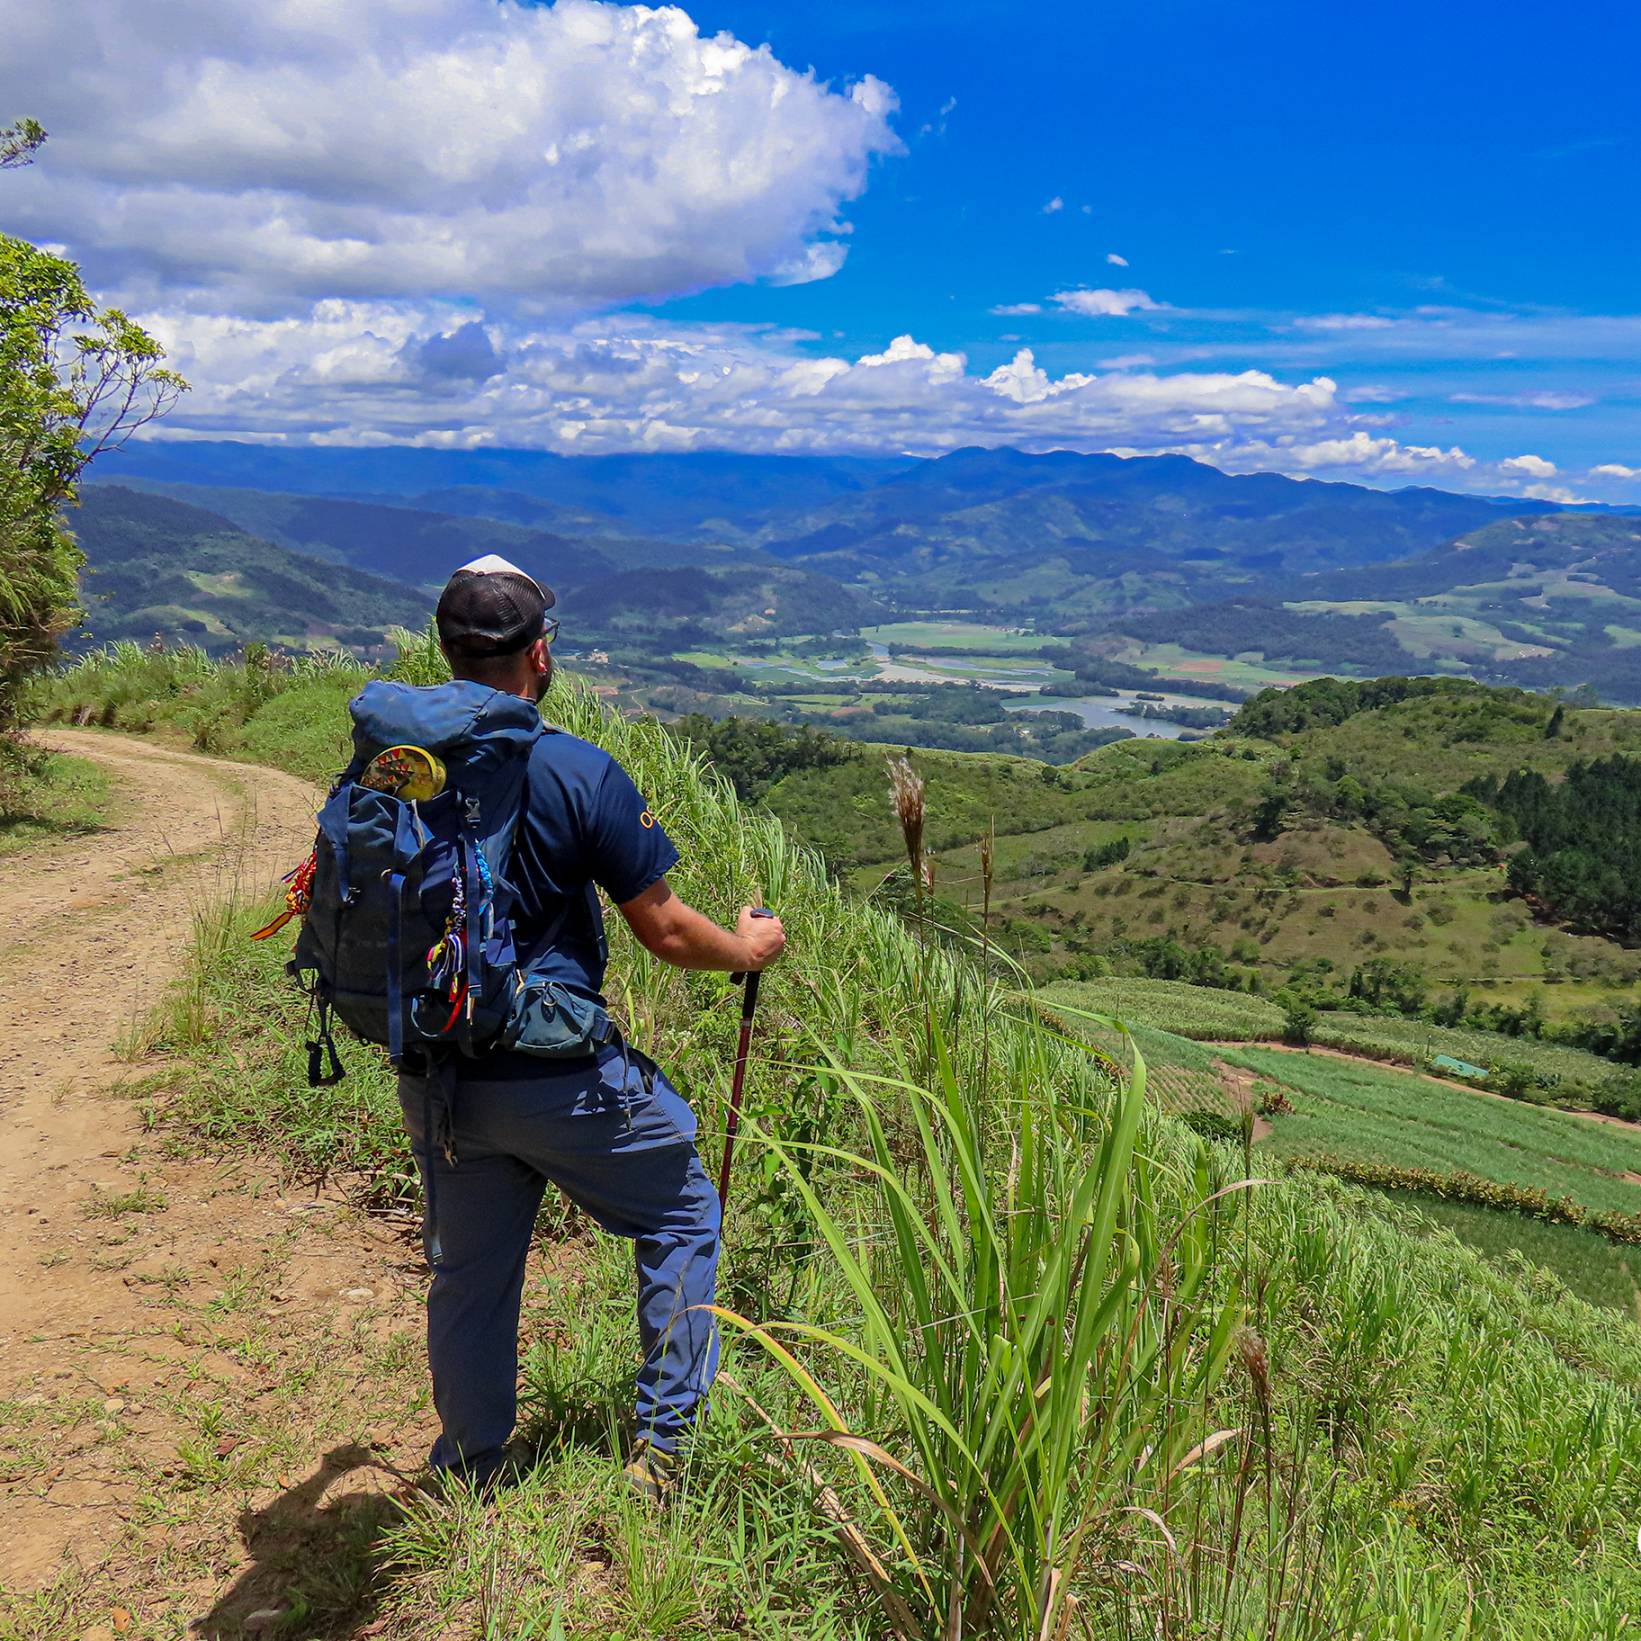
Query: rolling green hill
point(952, 1221)
point(1539, 602)
point(1325, 830)
point(157, 566)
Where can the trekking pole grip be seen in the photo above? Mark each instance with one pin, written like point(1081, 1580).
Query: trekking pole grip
point(741, 977)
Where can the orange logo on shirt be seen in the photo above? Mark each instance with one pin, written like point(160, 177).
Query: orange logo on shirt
point(646, 820)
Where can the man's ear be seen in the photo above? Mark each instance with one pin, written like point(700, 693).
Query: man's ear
point(539, 661)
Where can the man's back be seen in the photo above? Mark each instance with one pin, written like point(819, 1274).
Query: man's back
point(583, 823)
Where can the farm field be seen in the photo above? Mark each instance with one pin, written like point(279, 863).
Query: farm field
point(1591, 1266)
point(969, 636)
point(1172, 1006)
point(1239, 671)
point(1386, 1115)
point(1416, 1042)
point(1360, 1112)
point(1213, 1014)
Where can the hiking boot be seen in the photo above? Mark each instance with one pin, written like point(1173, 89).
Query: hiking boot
point(651, 1472)
point(507, 1469)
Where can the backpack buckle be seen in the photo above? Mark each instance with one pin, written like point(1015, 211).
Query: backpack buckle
point(471, 810)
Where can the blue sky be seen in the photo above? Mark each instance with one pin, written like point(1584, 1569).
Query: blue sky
point(1255, 163)
point(1396, 246)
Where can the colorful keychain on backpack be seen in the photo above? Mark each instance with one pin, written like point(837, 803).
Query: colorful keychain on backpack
point(298, 896)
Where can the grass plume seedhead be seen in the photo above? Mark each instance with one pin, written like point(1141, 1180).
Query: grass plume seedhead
point(906, 794)
point(1256, 1363)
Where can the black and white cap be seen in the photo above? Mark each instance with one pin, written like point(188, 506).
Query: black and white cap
point(491, 607)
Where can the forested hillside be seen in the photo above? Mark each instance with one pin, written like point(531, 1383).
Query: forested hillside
point(157, 566)
point(1333, 828)
point(1582, 859)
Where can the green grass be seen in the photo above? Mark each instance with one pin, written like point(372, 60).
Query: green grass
point(944, 1212)
point(141, 1199)
point(1375, 1114)
point(47, 798)
point(1590, 1265)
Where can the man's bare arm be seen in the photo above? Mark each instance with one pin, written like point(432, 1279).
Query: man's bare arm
point(684, 937)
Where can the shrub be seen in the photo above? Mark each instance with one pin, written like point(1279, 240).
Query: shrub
point(74, 382)
point(1298, 1021)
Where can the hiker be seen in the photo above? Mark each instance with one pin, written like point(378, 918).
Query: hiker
point(606, 1127)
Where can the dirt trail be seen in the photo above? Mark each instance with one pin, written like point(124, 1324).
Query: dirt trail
point(147, 1298)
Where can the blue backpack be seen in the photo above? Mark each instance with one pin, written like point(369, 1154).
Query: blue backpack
point(407, 931)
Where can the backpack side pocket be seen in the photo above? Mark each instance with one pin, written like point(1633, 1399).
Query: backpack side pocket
point(548, 1020)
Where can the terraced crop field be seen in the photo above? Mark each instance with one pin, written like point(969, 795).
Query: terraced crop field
point(1590, 1265)
point(1417, 1042)
point(1373, 1113)
point(1172, 1006)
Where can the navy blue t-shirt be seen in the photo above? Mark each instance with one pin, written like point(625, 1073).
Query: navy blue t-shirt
point(584, 827)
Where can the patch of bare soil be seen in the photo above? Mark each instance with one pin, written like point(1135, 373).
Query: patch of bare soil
point(1238, 1082)
point(209, 1384)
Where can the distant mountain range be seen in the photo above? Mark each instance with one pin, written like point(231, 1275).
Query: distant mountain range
point(1124, 555)
point(1058, 535)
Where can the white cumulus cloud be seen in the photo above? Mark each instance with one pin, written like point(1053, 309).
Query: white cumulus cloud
point(1340, 321)
point(1055, 204)
point(1104, 304)
point(1532, 467)
point(352, 372)
point(1365, 455)
point(1616, 470)
point(1115, 260)
point(263, 154)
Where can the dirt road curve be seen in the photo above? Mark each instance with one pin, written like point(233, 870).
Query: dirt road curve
point(92, 930)
point(145, 1297)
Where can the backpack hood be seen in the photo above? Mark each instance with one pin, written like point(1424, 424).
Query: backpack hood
point(470, 726)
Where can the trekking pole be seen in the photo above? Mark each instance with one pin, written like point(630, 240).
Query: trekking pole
point(749, 1007)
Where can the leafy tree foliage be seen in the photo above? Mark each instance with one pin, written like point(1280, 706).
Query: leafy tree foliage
point(754, 754)
point(1383, 983)
point(1105, 854)
point(75, 380)
point(1414, 822)
point(1326, 701)
point(1583, 837)
point(20, 142)
point(1096, 672)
